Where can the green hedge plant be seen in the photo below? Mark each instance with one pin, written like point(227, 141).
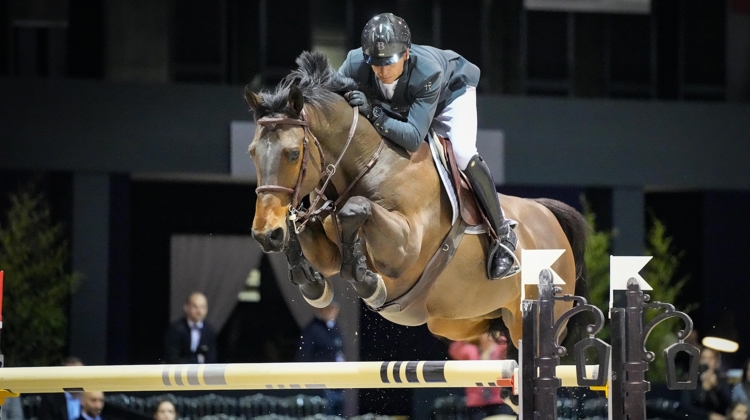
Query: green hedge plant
point(660, 273)
point(37, 286)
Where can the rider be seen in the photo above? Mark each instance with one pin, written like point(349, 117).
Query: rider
point(418, 87)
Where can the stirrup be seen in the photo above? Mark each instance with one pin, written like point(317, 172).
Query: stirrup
point(516, 267)
point(495, 248)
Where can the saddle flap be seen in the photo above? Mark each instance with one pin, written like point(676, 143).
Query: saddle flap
point(469, 208)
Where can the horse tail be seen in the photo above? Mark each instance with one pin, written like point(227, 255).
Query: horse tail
point(577, 231)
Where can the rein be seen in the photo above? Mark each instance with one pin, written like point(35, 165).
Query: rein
point(297, 214)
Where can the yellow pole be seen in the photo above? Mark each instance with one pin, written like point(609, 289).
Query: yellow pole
point(426, 374)
point(172, 378)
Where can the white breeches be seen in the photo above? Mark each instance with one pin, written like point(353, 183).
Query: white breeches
point(459, 122)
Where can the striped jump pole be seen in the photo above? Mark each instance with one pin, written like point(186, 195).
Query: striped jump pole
point(426, 374)
point(268, 376)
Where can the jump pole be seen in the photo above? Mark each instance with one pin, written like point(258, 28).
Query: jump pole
point(268, 376)
point(423, 374)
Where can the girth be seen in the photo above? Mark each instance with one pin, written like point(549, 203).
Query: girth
point(431, 272)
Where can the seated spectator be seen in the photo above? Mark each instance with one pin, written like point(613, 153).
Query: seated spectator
point(12, 409)
point(92, 403)
point(711, 399)
point(482, 402)
point(165, 410)
point(741, 391)
point(65, 406)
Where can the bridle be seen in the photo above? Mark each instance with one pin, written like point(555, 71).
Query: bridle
point(271, 121)
point(298, 215)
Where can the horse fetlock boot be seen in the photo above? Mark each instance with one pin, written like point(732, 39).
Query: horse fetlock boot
point(312, 285)
point(325, 296)
point(354, 262)
point(368, 285)
point(371, 289)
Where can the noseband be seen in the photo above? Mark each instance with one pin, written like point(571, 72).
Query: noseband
point(299, 216)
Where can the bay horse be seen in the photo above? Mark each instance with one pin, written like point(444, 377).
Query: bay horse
point(378, 215)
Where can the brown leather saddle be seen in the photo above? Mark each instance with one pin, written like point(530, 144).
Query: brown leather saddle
point(471, 211)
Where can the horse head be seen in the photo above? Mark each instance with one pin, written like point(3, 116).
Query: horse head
point(287, 167)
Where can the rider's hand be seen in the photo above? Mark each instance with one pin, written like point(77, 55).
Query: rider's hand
point(357, 98)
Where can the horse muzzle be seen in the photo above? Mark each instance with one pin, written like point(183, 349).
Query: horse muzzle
point(271, 240)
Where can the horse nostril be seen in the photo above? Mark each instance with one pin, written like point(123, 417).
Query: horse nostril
point(276, 237)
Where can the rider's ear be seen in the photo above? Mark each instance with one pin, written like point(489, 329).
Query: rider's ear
point(296, 100)
point(252, 99)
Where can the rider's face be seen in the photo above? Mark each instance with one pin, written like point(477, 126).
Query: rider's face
point(389, 74)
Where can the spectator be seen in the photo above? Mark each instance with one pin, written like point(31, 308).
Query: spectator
point(741, 391)
point(711, 399)
point(65, 406)
point(738, 411)
point(12, 409)
point(92, 403)
point(165, 410)
point(321, 342)
point(191, 339)
point(482, 402)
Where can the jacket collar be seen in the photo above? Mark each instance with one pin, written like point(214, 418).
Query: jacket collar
point(399, 98)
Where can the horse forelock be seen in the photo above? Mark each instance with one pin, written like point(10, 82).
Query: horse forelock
point(321, 85)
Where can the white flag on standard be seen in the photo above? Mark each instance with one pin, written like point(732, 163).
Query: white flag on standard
point(622, 269)
point(533, 262)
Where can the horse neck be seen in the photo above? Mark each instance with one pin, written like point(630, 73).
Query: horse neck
point(332, 127)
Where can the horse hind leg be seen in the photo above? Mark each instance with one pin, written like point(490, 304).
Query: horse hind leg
point(315, 288)
point(368, 285)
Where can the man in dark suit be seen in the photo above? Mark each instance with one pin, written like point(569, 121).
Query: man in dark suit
point(191, 339)
point(92, 403)
point(65, 406)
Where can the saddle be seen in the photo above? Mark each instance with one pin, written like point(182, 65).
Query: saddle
point(457, 185)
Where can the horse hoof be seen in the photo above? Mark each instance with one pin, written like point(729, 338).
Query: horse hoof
point(325, 299)
point(378, 297)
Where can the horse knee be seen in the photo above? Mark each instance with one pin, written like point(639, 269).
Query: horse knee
point(354, 214)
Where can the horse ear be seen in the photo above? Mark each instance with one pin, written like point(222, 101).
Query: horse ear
point(252, 99)
point(296, 100)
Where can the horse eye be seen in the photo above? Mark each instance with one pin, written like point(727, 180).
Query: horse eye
point(251, 150)
point(293, 155)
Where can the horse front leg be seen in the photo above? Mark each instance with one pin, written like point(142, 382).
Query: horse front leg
point(313, 286)
point(383, 232)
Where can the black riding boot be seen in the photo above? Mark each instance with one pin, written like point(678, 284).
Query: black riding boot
point(502, 262)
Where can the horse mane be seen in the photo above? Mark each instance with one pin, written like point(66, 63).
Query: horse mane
point(320, 83)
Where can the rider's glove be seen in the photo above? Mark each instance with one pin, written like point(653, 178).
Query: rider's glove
point(357, 98)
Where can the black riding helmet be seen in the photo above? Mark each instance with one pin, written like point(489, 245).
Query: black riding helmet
point(385, 39)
